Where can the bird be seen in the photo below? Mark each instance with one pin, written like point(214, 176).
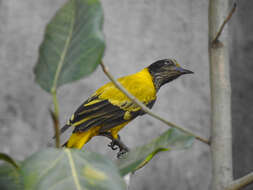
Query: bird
point(108, 109)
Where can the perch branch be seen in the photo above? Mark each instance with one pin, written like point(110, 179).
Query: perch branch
point(145, 108)
point(241, 182)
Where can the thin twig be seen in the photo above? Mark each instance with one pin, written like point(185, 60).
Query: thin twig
point(224, 23)
point(146, 109)
point(241, 182)
point(55, 118)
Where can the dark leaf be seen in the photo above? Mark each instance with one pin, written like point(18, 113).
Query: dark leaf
point(9, 178)
point(8, 159)
point(73, 44)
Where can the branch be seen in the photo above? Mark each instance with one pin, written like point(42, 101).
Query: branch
point(241, 182)
point(145, 108)
point(220, 89)
point(224, 23)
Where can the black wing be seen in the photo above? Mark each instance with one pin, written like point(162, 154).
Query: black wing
point(96, 112)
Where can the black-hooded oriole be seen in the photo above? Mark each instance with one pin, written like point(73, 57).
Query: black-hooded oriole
point(108, 110)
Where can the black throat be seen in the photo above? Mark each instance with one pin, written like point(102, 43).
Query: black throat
point(159, 79)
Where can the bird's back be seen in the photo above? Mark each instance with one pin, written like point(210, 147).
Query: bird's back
point(139, 85)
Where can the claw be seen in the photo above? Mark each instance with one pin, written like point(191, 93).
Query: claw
point(121, 153)
point(117, 144)
point(113, 145)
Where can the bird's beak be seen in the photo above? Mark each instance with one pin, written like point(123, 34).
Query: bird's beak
point(183, 71)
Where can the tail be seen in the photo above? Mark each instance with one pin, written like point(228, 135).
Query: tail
point(78, 140)
point(63, 129)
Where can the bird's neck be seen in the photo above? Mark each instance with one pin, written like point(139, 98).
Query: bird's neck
point(157, 79)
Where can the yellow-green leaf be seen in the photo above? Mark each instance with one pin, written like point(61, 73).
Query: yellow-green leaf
point(66, 169)
point(172, 139)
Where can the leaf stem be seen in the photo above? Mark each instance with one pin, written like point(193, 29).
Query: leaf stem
point(146, 109)
point(55, 118)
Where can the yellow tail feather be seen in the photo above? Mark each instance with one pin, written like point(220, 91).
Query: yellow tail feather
point(78, 140)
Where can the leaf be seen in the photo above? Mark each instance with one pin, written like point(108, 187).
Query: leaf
point(9, 178)
point(8, 159)
point(73, 44)
point(66, 169)
point(172, 139)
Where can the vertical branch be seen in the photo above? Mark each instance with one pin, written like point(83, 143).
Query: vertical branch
point(55, 118)
point(221, 144)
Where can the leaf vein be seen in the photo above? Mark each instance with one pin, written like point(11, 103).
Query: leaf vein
point(73, 169)
point(43, 173)
point(62, 58)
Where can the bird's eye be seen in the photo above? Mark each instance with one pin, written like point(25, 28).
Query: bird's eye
point(168, 62)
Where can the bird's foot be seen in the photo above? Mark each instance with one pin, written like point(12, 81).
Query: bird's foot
point(122, 152)
point(123, 149)
point(113, 145)
point(117, 144)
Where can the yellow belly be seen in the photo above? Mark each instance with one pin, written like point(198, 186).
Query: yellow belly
point(79, 139)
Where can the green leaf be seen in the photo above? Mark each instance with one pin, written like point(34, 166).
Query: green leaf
point(172, 139)
point(9, 177)
point(8, 159)
point(73, 44)
point(66, 169)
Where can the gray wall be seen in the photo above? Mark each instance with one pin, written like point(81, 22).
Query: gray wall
point(242, 88)
point(137, 33)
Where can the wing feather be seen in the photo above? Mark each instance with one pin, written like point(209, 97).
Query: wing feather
point(103, 113)
point(109, 107)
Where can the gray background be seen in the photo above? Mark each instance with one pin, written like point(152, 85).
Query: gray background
point(137, 33)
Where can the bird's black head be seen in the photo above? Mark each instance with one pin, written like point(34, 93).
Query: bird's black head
point(166, 70)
